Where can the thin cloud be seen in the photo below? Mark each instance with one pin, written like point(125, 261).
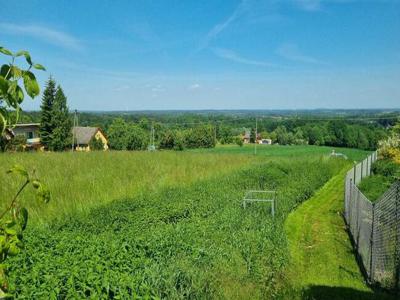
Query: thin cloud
point(309, 5)
point(217, 29)
point(233, 56)
point(293, 53)
point(121, 88)
point(57, 38)
point(194, 86)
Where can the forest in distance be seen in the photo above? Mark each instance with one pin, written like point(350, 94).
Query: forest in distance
point(203, 129)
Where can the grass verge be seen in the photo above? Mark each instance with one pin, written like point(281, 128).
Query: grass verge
point(323, 265)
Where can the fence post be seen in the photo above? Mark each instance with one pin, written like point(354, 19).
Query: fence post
point(351, 200)
point(358, 219)
point(362, 168)
point(371, 245)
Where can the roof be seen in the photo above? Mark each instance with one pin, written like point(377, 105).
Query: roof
point(83, 135)
point(27, 125)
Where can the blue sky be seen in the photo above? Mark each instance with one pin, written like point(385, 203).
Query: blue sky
point(139, 55)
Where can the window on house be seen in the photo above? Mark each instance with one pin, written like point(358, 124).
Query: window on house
point(29, 135)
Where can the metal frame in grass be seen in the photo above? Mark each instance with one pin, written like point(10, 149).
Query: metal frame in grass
point(250, 197)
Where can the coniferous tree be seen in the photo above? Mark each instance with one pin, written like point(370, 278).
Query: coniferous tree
point(46, 116)
point(61, 137)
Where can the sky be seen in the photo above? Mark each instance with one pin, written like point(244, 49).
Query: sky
point(216, 54)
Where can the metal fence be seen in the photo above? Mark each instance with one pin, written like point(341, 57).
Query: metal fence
point(374, 227)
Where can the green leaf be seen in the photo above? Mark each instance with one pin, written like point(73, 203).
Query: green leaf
point(31, 85)
point(39, 67)
point(23, 217)
point(5, 51)
point(3, 85)
point(16, 72)
point(11, 231)
point(14, 249)
point(20, 94)
point(26, 54)
point(28, 57)
point(20, 170)
point(20, 53)
point(3, 124)
point(36, 184)
point(4, 71)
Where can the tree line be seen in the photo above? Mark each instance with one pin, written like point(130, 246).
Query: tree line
point(124, 135)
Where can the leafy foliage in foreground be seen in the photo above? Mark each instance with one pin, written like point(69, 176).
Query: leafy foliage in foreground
point(190, 242)
point(13, 221)
point(11, 93)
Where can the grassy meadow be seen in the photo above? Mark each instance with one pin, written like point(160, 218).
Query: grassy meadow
point(163, 225)
point(274, 151)
point(80, 181)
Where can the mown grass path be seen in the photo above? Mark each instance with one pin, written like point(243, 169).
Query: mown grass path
point(323, 265)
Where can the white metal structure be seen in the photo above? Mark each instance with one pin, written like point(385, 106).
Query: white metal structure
point(152, 147)
point(261, 196)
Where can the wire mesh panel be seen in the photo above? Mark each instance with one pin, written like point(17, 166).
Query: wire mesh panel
point(386, 239)
point(374, 227)
point(364, 229)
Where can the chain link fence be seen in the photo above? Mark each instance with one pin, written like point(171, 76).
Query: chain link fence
point(374, 227)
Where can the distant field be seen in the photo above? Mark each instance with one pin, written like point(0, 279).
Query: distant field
point(282, 151)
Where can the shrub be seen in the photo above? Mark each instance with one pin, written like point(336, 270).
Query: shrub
point(385, 167)
point(17, 144)
point(239, 141)
point(179, 142)
point(96, 144)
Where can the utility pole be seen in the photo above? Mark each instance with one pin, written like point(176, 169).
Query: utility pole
point(152, 147)
point(215, 133)
point(75, 124)
point(255, 140)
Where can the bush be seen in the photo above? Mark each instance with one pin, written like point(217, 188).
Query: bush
point(385, 167)
point(17, 144)
point(96, 144)
point(167, 140)
point(179, 142)
point(239, 141)
point(137, 138)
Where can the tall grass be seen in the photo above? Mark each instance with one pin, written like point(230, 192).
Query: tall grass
point(80, 181)
point(178, 242)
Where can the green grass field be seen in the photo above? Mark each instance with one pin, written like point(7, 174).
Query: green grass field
point(284, 151)
point(80, 181)
point(167, 224)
